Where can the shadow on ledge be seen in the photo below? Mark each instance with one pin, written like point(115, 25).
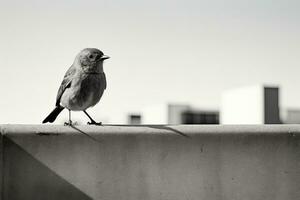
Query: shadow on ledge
point(161, 127)
point(84, 133)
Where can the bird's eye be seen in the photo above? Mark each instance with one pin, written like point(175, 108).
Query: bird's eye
point(91, 56)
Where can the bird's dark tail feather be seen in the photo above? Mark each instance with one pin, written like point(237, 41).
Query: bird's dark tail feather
point(52, 116)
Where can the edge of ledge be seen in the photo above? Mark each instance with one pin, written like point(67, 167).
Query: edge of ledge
point(185, 130)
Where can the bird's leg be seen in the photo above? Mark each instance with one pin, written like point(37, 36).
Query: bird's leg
point(92, 121)
point(70, 122)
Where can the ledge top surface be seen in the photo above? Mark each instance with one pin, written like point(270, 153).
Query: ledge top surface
point(149, 129)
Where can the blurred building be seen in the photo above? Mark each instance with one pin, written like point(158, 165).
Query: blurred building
point(200, 117)
point(247, 105)
point(178, 114)
point(250, 105)
point(292, 116)
point(134, 119)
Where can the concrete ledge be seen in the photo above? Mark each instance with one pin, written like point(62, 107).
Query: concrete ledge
point(150, 162)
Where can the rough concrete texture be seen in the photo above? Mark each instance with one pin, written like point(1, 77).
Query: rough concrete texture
point(150, 162)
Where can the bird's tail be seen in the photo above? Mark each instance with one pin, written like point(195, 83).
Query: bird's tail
point(52, 116)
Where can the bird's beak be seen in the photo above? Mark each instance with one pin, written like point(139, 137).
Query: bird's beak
point(104, 57)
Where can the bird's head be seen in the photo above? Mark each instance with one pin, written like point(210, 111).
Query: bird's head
point(91, 60)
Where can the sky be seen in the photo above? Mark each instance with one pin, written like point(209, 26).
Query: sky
point(179, 51)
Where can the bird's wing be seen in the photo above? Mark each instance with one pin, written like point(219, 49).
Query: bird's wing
point(65, 84)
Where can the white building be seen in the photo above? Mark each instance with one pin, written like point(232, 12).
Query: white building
point(250, 105)
point(178, 114)
point(292, 116)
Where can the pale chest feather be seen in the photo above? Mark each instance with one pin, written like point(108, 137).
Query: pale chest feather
point(86, 90)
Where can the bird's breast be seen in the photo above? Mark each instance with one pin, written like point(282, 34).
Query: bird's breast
point(86, 90)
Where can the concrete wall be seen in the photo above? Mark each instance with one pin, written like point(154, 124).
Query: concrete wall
point(150, 162)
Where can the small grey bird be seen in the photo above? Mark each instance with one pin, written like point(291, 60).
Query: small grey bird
point(82, 86)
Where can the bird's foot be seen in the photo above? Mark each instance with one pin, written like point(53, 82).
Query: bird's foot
point(95, 123)
point(68, 123)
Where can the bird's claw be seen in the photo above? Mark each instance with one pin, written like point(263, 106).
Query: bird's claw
point(95, 123)
point(68, 123)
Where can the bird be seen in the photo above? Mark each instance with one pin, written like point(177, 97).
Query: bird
point(83, 85)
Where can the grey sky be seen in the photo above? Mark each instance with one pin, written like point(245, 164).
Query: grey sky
point(161, 51)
